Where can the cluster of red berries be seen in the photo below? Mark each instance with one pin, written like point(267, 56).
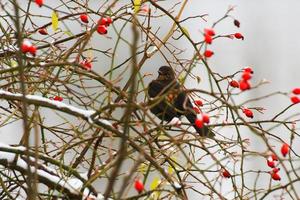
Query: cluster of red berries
point(27, 47)
point(295, 99)
point(271, 162)
point(198, 104)
point(244, 83)
point(208, 38)
point(203, 118)
point(102, 24)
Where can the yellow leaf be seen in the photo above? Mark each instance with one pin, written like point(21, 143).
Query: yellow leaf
point(155, 183)
point(137, 5)
point(54, 19)
point(185, 31)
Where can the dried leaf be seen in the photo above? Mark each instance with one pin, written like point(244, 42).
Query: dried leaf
point(154, 184)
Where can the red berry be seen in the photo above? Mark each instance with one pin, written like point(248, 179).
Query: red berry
point(236, 23)
point(86, 64)
point(102, 29)
point(43, 31)
point(244, 85)
point(285, 149)
point(296, 90)
point(58, 98)
point(208, 39)
point(197, 110)
point(226, 173)
point(103, 21)
point(274, 157)
point(239, 36)
point(246, 76)
point(275, 170)
point(234, 84)
point(139, 186)
point(275, 176)
point(270, 162)
point(209, 31)
point(39, 2)
point(25, 46)
point(248, 112)
point(199, 122)
point(248, 69)
point(32, 50)
point(208, 53)
point(199, 103)
point(295, 99)
point(84, 18)
point(205, 118)
point(109, 21)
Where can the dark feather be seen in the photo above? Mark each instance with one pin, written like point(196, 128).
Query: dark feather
point(174, 101)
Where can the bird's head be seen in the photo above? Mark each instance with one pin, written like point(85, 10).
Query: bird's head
point(166, 73)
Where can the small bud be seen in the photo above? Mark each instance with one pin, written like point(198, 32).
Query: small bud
point(236, 23)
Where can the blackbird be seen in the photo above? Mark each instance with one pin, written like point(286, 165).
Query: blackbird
point(174, 101)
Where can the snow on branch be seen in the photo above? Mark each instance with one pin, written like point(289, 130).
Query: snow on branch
point(11, 159)
point(89, 115)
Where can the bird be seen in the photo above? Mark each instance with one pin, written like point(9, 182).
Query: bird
point(174, 101)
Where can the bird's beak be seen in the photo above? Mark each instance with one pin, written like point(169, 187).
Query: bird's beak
point(160, 73)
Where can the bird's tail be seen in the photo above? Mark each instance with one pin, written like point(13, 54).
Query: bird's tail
point(204, 131)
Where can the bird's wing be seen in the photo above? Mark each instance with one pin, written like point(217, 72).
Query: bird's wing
point(154, 88)
point(162, 109)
